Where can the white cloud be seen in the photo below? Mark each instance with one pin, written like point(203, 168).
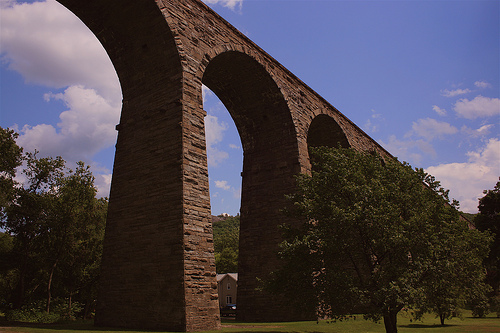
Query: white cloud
point(453, 93)
point(222, 184)
point(439, 111)
point(103, 184)
point(49, 45)
point(405, 150)
point(233, 146)
point(476, 133)
point(478, 107)
point(215, 156)
point(370, 127)
point(429, 129)
point(237, 193)
point(371, 124)
point(467, 181)
point(87, 127)
point(231, 4)
point(214, 132)
point(482, 84)
point(205, 93)
point(490, 155)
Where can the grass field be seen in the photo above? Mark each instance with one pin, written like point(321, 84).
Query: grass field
point(359, 325)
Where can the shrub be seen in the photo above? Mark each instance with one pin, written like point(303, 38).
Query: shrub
point(480, 307)
point(35, 312)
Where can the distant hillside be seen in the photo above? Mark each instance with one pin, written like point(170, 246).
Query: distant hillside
point(469, 216)
point(226, 231)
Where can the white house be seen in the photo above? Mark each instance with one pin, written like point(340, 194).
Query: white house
point(227, 286)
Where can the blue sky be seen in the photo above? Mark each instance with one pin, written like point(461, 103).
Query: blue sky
point(419, 77)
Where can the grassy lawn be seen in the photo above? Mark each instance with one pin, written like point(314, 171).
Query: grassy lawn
point(359, 325)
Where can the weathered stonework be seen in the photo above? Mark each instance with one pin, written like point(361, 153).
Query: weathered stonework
point(158, 268)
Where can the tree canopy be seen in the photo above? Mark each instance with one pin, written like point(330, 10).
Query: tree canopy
point(10, 159)
point(54, 227)
point(488, 219)
point(377, 237)
point(226, 244)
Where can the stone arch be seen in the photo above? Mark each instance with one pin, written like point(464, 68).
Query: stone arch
point(256, 103)
point(324, 131)
point(270, 159)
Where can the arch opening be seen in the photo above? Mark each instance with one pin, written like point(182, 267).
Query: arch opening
point(270, 159)
point(324, 131)
point(250, 95)
point(224, 156)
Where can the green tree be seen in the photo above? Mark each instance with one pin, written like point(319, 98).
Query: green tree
point(454, 273)
point(372, 230)
point(57, 227)
point(488, 219)
point(76, 225)
point(27, 219)
point(226, 244)
point(7, 273)
point(83, 266)
point(83, 217)
point(10, 158)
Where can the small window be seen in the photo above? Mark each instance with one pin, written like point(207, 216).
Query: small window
point(229, 300)
point(228, 286)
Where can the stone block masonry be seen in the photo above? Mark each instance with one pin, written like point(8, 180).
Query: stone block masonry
point(158, 267)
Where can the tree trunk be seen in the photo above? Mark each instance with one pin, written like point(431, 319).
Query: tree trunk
point(49, 284)
point(390, 321)
point(442, 317)
point(70, 305)
point(19, 294)
point(21, 285)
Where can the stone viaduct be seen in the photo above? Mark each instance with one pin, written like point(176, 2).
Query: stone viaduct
point(158, 267)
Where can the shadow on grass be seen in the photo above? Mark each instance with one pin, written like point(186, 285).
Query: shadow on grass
point(88, 325)
point(426, 326)
point(79, 325)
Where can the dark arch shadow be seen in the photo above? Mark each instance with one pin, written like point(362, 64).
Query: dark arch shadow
point(251, 96)
point(324, 131)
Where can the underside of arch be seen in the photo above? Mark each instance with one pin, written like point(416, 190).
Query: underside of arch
point(138, 41)
point(324, 131)
point(251, 96)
